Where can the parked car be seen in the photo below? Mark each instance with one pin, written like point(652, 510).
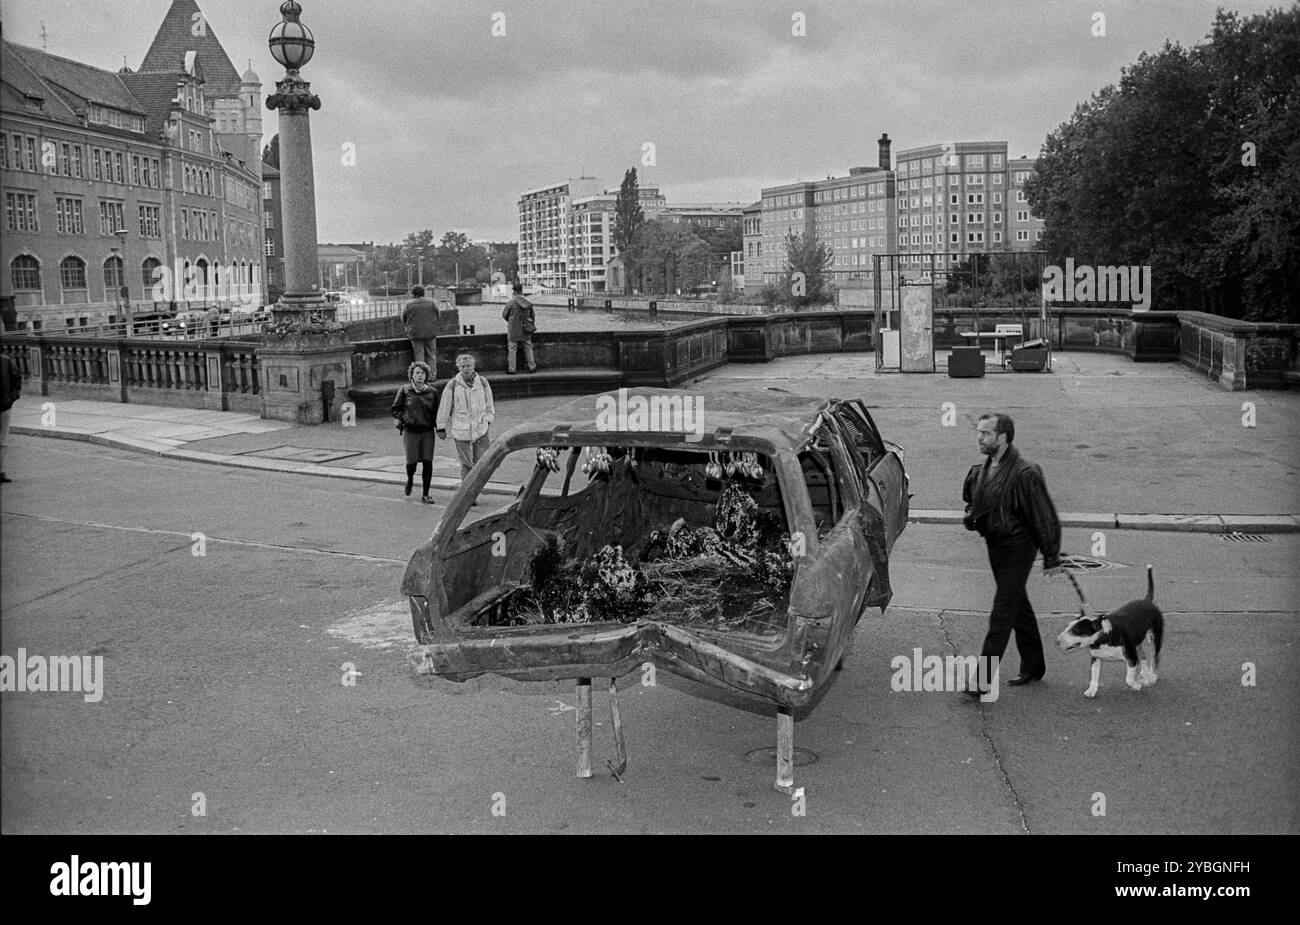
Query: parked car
point(815, 472)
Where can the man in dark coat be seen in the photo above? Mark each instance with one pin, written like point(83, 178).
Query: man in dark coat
point(518, 314)
point(420, 318)
point(11, 384)
point(1007, 503)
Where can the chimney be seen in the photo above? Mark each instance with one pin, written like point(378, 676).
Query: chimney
point(885, 162)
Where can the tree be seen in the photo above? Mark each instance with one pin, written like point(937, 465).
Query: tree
point(271, 151)
point(806, 280)
point(628, 221)
point(1191, 165)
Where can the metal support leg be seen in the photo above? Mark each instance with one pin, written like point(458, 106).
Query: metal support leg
point(584, 727)
point(620, 748)
point(784, 750)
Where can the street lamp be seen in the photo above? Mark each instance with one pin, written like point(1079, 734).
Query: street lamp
point(421, 259)
point(292, 45)
point(117, 290)
point(125, 280)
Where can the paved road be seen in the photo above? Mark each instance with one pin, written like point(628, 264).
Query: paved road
point(224, 677)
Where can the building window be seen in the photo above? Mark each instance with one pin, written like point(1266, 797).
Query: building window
point(20, 212)
point(974, 161)
point(78, 167)
point(1020, 196)
point(266, 190)
point(25, 272)
point(185, 224)
point(135, 170)
point(974, 237)
point(65, 159)
point(112, 276)
point(997, 218)
point(954, 179)
point(68, 212)
point(268, 247)
point(153, 173)
point(110, 217)
point(72, 273)
point(1022, 216)
point(997, 237)
point(147, 272)
point(974, 218)
point(150, 222)
point(268, 220)
point(974, 199)
point(96, 168)
point(1022, 235)
point(31, 153)
point(995, 161)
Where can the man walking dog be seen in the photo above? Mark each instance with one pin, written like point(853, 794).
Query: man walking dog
point(1007, 504)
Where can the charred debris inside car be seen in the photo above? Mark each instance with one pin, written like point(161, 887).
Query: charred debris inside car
point(738, 549)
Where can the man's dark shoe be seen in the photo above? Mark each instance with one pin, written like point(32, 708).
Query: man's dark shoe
point(973, 693)
point(511, 372)
point(532, 369)
point(1023, 679)
point(5, 478)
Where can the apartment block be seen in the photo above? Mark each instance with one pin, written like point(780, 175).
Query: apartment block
point(960, 198)
point(543, 230)
point(853, 215)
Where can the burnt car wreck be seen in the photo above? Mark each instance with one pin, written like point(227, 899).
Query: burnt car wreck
point(738, 550)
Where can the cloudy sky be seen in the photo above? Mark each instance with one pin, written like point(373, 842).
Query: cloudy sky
point(451, 123)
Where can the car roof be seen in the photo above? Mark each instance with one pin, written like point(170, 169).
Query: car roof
point(777, 417)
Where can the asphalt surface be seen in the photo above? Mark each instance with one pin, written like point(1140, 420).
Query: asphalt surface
point(224, 673)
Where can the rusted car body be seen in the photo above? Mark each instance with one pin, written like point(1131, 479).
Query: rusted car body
point(839, 491)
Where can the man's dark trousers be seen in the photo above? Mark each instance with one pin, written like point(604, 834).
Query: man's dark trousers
point(1013, 561)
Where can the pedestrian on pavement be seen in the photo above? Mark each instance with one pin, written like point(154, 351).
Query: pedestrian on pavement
point(1007, 504)
point(467, 408)
point(416, 410)
point(11, 386)
point(420, 319)
point(522, 322)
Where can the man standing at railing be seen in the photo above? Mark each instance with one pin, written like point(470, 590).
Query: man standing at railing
point(11, 384)
point(518, 314)
point(420, 318)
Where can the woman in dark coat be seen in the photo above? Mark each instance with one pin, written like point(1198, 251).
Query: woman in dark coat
point(416, 410)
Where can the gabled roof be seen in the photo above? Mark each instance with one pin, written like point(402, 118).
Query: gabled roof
point(176, 36)
point(269, 172)
point(76, 84)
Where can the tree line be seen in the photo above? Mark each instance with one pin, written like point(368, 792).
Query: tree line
point(1190, 165)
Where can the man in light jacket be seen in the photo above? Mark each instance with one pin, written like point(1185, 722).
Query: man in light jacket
point(466, 408)
point(420, 319)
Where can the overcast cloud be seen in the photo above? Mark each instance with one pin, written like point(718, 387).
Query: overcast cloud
point(451, 123)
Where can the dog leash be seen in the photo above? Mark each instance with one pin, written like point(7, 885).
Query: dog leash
point(1082, 603)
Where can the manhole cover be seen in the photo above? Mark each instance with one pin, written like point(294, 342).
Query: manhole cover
point(1086, 563)
point(767, 756)
point(1244, 537)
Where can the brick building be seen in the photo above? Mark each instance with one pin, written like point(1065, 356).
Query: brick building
point(146, 180)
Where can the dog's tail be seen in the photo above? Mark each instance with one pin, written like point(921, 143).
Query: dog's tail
point(1151, 583)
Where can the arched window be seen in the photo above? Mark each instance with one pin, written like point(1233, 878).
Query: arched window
point(112, 277)
point(25, 272)
point(202, 279)
point(72, 273)
point(147, 274)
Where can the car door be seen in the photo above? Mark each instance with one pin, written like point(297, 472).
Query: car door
point(884, 464)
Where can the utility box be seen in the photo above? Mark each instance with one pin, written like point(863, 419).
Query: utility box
point(965, 363)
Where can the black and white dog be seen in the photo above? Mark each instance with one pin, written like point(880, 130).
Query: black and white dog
point(1121, 634)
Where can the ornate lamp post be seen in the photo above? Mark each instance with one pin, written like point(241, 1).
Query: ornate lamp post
point(125, 281)
point(307, 364)
point(301, 309)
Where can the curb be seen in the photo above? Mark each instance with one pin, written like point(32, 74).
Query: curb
point(247, 462)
